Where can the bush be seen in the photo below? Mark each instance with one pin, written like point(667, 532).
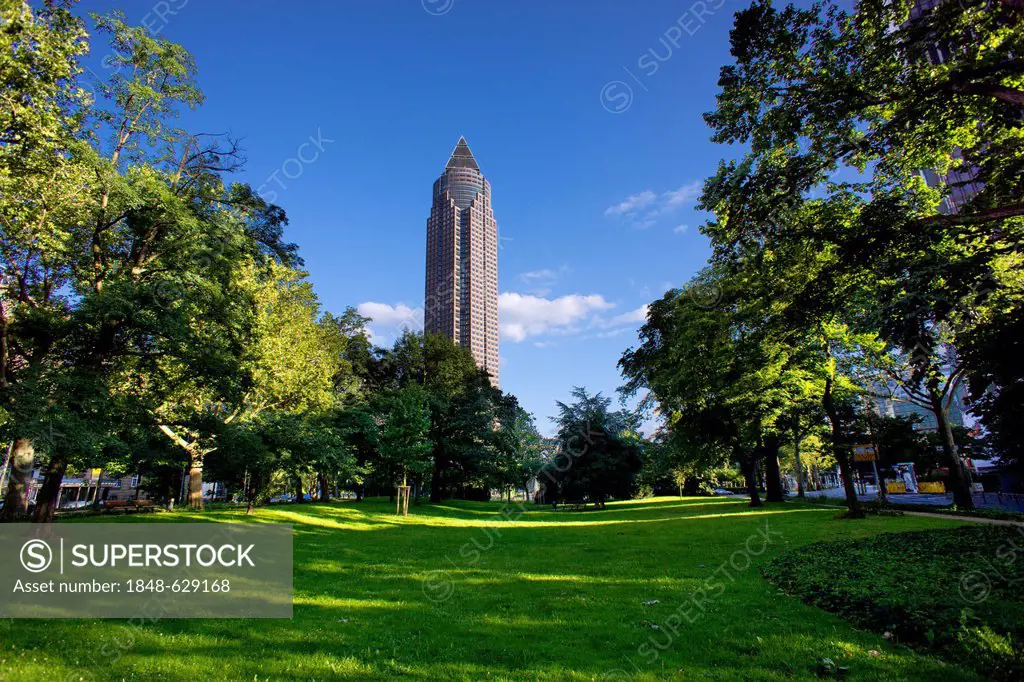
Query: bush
point(955, 592)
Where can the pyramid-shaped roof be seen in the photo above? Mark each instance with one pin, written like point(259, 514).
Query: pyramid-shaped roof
point(462, 157)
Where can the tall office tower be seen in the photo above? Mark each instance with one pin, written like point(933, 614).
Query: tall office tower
point(963, 182)
point(462, 261)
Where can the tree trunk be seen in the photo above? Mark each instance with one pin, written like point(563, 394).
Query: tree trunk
point(250, 495)
point(840, 452)
point(49, 494)
point(958, 477)
point(300, 494)
point(749, 475)
point(435, 479)
point(880, 479)
point(797, 464)
point(772, 473)
point(195, 482)
point(21, 462)
point(325, 488)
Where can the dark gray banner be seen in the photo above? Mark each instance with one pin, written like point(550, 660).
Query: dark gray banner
point(146, 570)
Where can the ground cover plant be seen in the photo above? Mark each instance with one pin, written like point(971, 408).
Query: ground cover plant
point(955, 592)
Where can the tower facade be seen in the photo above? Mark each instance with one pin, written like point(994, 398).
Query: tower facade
point(461, 299)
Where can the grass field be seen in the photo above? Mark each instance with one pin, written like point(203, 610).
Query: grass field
point(459, 591)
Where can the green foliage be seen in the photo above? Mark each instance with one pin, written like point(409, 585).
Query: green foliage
point(517, 445)
point(403, 417)
point(950, 591)
point(144, 298)
point(827, 212)
point(730, 384)
point(600, 452)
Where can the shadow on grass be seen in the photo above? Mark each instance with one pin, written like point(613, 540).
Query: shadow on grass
point(456, 592)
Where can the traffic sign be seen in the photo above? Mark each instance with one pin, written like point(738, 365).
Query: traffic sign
point(864, 453)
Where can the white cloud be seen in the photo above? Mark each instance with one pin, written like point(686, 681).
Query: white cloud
point(681, 229)
point(393, 319)
point(544, 344)
point(632, 203)
point(644, 208)
point(632, 317)
point(387, 315)
point(538, 282)
point(686, 194)
point(613, 333)
point(538, 275)
point(376, 339)
point(524, 315)
point(619, 324)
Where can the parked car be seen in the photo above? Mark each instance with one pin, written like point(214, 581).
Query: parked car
point(723, 491)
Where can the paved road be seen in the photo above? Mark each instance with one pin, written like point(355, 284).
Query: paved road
point(981, 500)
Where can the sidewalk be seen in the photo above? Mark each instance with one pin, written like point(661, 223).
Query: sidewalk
point(981, 500)
point(975, 519)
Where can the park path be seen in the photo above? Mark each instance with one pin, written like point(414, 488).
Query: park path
point(975, 519)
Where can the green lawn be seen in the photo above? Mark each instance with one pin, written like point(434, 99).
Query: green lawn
point(455, 591)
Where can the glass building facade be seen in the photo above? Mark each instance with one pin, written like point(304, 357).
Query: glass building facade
point(461, 295)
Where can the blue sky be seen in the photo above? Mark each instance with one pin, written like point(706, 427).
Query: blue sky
point(585, 116)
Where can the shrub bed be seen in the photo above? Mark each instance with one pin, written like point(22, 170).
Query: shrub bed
point(956, 592)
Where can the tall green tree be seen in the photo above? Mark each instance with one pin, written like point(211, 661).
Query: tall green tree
point(844, 113)
point(600, 453)
point(517, 446)
point(462, 405)
point(403, 418)
point(41, 190)
point(124, 250)
point(288, 362)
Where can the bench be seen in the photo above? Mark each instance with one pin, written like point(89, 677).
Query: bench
point(125, 504)
point(577, 506)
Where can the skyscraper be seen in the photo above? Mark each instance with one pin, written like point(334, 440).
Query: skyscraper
point(462, 261)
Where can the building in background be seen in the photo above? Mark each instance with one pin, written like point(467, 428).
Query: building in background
point(893, 402)
point(461, 299)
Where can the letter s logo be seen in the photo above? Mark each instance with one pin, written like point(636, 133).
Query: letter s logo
point(36, 556)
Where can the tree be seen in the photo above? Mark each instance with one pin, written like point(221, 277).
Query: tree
point(993, 362)
point(403, 418)
point(357, 422)
point(41, 187)
point(722, 377)
point(600, 454)
point(288, 362)
point(517, 446)
point(461, 401)
point(843, 111)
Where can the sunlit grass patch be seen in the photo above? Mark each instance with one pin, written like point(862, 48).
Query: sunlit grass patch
point(460, 591)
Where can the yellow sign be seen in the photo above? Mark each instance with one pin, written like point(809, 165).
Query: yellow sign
point(936, 487)
point(896, 487)
point(863, 453)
